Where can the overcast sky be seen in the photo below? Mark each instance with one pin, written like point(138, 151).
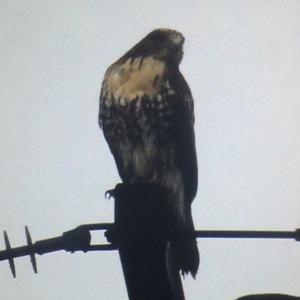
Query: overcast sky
point(242, 62)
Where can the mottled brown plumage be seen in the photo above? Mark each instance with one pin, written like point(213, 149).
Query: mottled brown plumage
point(146, 113)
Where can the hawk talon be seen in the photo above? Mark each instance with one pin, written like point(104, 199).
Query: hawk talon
point(109, 194)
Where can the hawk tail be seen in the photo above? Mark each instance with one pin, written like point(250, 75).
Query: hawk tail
point(183, 251)
point(187, 255)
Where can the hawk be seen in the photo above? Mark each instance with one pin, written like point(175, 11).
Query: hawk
point(147, 117)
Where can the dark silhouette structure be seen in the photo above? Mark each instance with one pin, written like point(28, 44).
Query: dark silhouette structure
point(269, 297)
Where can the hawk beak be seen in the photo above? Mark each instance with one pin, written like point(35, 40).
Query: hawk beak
point(177, 38)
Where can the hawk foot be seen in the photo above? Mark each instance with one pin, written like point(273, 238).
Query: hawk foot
point(110, 194)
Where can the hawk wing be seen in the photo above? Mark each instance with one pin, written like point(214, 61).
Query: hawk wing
point(185, 136)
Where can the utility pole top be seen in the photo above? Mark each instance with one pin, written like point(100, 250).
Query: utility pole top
point(142, 231)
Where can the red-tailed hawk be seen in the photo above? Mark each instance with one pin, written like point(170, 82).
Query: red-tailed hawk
point(147, 117)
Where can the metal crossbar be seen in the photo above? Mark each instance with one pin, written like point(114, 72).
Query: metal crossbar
point(79, 239)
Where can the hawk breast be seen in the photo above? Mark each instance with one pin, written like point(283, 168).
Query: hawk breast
point(133, 79)
point(136, 115)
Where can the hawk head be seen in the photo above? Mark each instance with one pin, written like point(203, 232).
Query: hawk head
point(162, 44)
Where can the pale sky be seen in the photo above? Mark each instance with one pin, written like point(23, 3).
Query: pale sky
point(242, 62)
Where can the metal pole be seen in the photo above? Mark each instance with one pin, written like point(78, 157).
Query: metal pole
point(246, 234)
point(141, 237)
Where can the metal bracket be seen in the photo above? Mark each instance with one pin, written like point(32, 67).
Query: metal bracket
point(77, 239)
